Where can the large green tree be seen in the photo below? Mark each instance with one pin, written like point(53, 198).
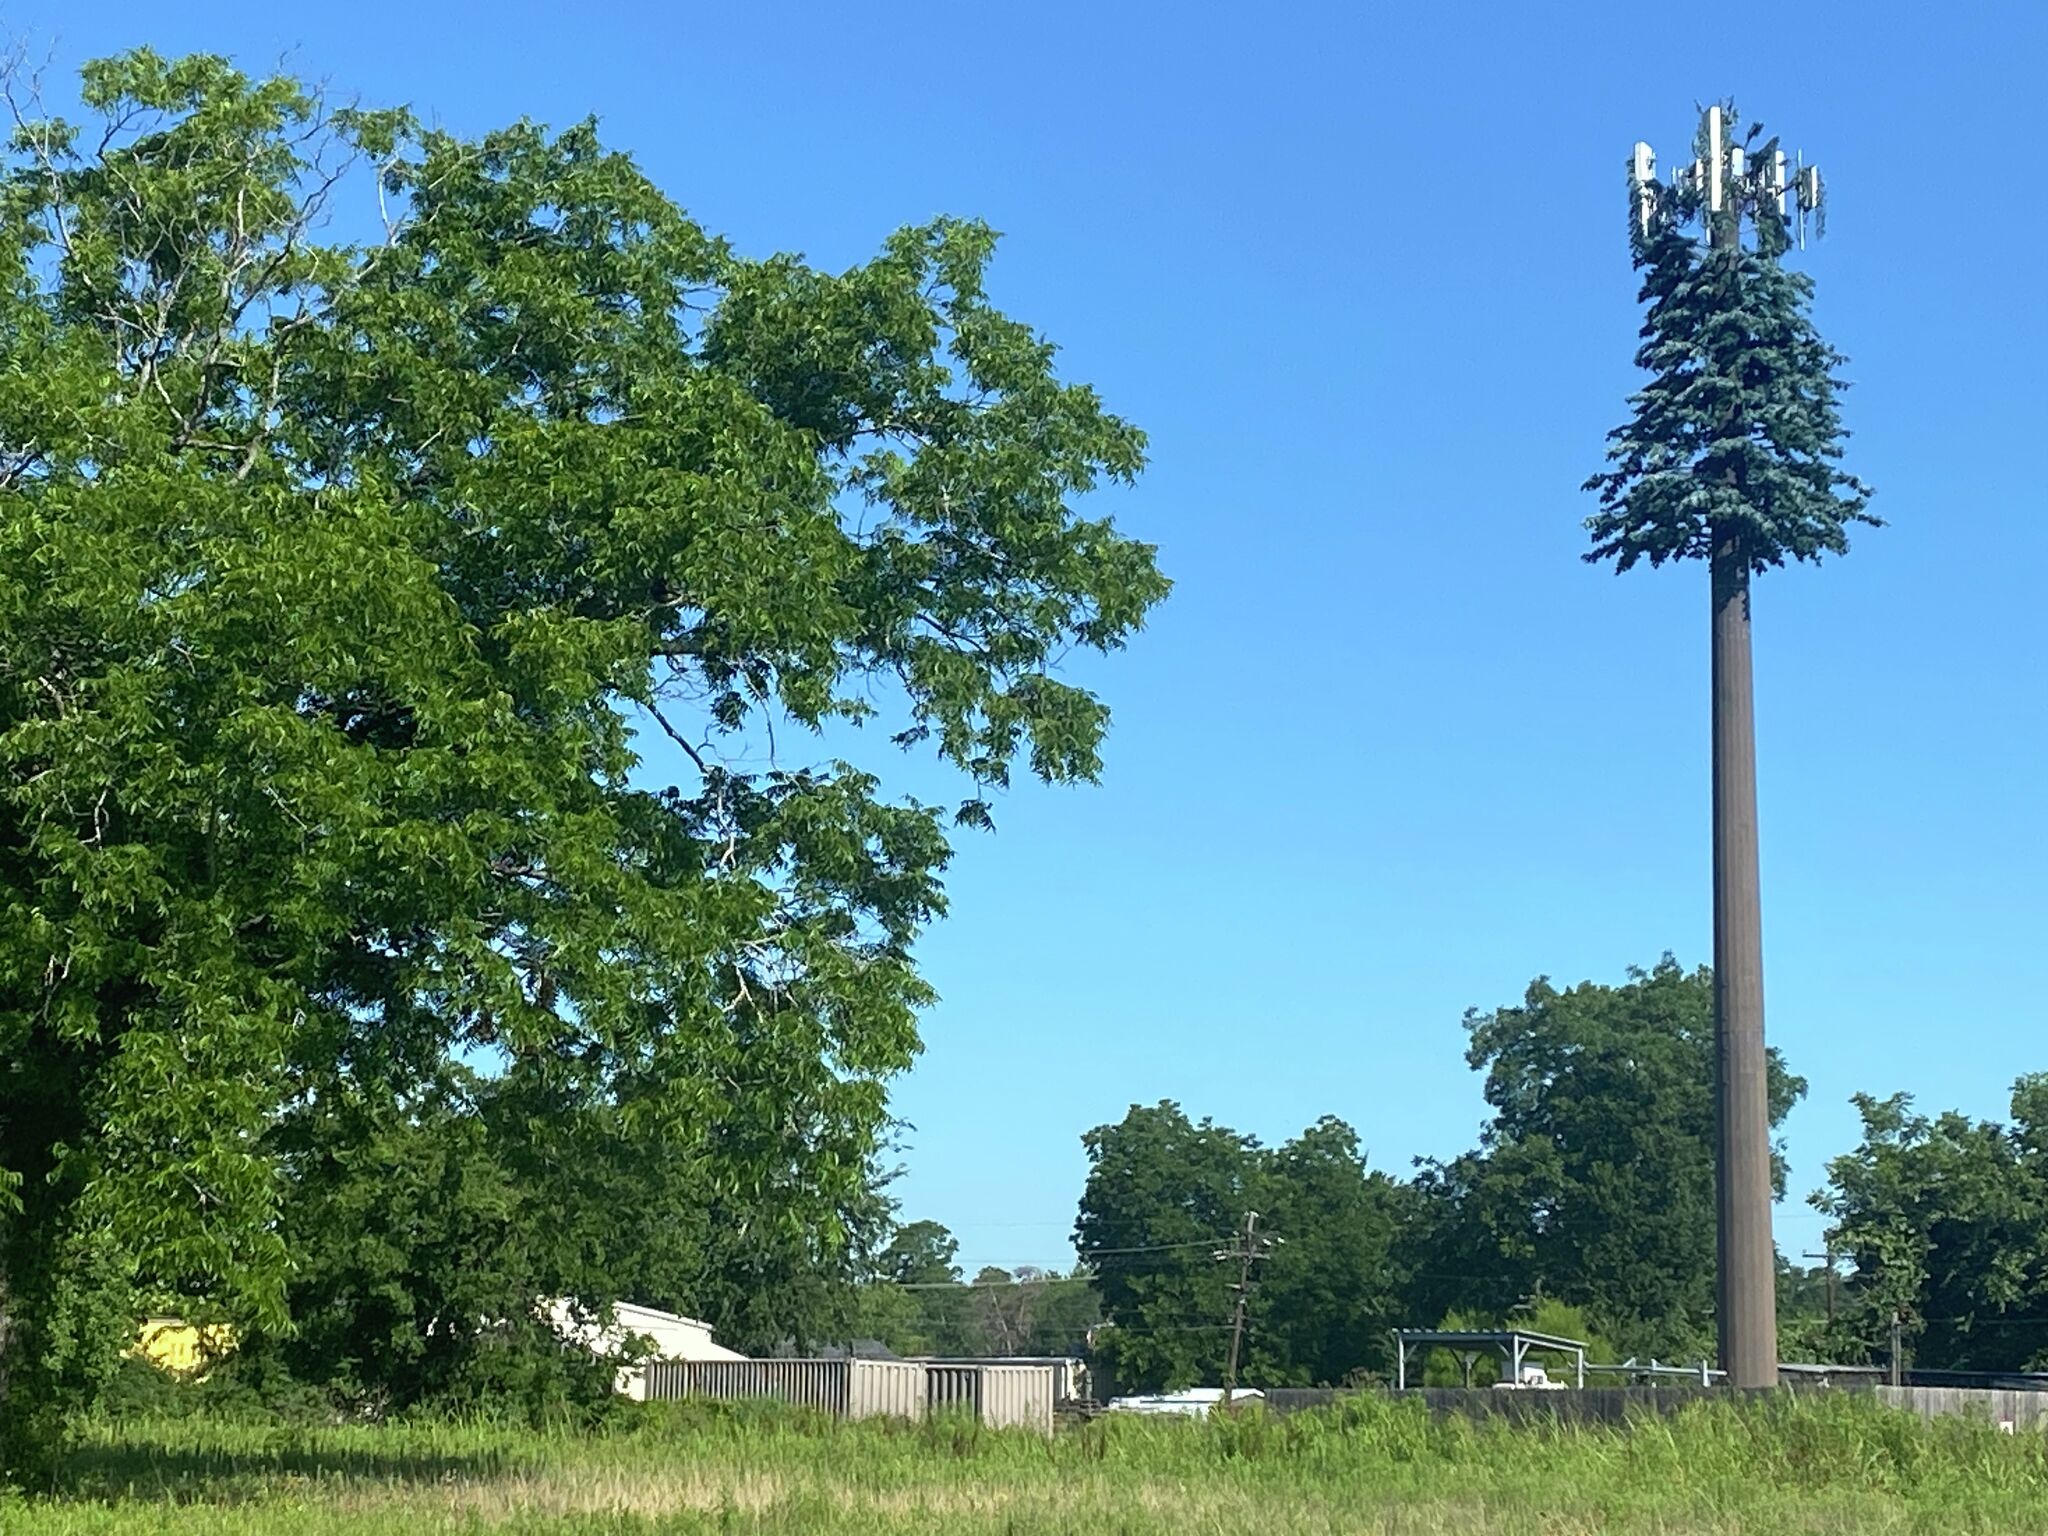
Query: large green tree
point(1165, 1196)
point(1731, 456)
point(1164, 1193)
point(340, 582)
point(1594, 1181)
point(1945, 1221)
point(920, 1253)
point(1332, 1291)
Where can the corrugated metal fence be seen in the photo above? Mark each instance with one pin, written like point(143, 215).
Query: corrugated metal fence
point(952, 1387)
point(848, 1389)
point(1069, 1374)
point(1000, 1396)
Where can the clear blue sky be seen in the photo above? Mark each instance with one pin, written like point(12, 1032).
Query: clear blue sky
point(1391, 750)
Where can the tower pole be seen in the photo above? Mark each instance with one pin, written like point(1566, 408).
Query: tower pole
point(1747, 1266)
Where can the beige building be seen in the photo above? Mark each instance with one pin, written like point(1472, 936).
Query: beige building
point(674, 1337)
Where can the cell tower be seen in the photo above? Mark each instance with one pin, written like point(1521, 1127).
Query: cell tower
point(1726, 179)
point(1721, 186)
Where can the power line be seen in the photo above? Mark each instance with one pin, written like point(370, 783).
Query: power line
point(1086, 1256)
point(1193, 1242)
point(966, 1287)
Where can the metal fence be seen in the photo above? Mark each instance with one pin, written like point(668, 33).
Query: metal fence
point(1588, 1405)
point(1021, 1396)
point(1069, 1374)
point(848, 1389)
point(2017, 1410)
point(952, 1388)
point(2009, 1409)
point(999, 1396)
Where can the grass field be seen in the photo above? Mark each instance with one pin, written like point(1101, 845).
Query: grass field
point(1819, 1466)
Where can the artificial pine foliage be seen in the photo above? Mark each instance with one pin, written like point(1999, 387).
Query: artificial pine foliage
point(1738, 431)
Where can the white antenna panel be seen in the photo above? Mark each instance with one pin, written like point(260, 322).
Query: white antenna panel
point(1714, 158)
point(1643, 174)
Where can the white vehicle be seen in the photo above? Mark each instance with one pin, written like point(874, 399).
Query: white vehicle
point(1534, 1379)
point(1193, 1402)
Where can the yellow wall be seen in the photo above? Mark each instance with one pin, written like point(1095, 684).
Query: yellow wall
point(173, 1344)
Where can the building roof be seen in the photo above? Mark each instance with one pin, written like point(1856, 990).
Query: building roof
point(1488, 1338)
point(675, 1336)
point(626, 1309)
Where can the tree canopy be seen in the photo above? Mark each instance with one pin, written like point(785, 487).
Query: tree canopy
point(1165, 1196)
point(1945, 1222)
point(920, 1253)
point(1590, 1197)
point(340, 587)
point(1163, 1193)
point(1594, 1181)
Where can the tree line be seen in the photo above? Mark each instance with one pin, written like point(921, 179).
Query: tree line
point(1587, 1208)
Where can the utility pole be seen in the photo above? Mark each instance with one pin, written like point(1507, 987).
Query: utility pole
point(1829, 1257)
point(1898, 1327)
point(1718, 187)
point(1249, 1248)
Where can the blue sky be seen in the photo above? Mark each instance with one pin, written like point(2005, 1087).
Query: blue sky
point(1391, 750)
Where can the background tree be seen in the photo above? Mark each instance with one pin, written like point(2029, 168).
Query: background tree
point(1730, 456)
point(1594, 1181)
point(1331, 1291)
point(1945, 1222)
point(1807, 1296)
point(917, 1303)
point(901, 1304)
point(1066, 1315)
point(1163, 1193)
point(338, 584)
point(1004, 1308)
point(921, 1253)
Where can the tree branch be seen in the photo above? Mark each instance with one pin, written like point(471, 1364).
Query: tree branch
point(676, 736)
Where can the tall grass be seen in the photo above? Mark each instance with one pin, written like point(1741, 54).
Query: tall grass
point(1826, 1464)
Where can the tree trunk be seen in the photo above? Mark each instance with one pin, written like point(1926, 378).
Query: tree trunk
point(1742, 1161)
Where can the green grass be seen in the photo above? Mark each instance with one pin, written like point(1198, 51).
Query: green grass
point(1829, 1465)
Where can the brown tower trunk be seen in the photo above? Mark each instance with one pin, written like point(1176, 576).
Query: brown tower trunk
point(1742, 1162)
point(1747, 1304)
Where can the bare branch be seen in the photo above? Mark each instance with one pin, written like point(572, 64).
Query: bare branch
point(676, 736)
